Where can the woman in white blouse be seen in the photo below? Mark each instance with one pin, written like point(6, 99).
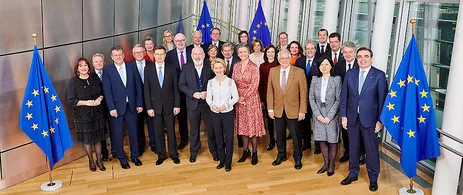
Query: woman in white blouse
point(324, 99)
point(222, 94)
point(257, 56)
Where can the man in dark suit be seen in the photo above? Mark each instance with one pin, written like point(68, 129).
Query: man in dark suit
point(308, 63)
point(197, 38)
point(287, 104)
point(178, 57)
point(139, 53)
point(362, 98)
point(215, 36)
point(322, 46)
point(193, 83)
point(162, 100)
point(335, 52)
point(122, 90)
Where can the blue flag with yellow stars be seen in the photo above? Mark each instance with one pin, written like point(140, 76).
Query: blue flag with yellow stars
point(205, 24)
point(408, 112)
point(259, 27)
point(42, 115)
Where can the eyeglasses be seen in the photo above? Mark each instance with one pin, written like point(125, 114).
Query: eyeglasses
point(139, 52)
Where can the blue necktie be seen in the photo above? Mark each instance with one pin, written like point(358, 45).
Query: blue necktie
point(307, 69)
point(160, 76)
point(122, 74)
point(142, 75)
point(361, 80)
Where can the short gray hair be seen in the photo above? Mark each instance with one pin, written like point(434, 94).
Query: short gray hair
point(227, 44)
point(138, 45)
point(310, 42)
point(197, 48)
point(243, 45)
point(98, 55)
point(283, 51)
point(349, 44)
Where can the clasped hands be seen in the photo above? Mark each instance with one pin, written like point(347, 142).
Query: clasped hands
point(200, 95)
point(95, 102)
point(324, 120)
point(219, 108)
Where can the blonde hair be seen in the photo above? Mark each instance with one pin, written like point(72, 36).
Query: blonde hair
point(164, 36)
point(219, 61)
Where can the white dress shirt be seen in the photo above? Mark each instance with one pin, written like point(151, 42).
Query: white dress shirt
point(323, 89)
point(142, 64)
point(351, 65)
point(199, 69)
point(163, 68)
point(223, 93)
point(287, 73)
point(122, 73)
point(324, 47)
point(337, 55)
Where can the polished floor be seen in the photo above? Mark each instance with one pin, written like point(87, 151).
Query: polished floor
point(203, 178)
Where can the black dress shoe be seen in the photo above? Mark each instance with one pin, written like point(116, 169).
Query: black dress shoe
point(254, 159)
point(344, 157)
point(298, 165)
point(330, 173)
point(182, 144)
point(221, 165)
point(362, 160)
point(279, 160)
point(91, 166)
point(215, 158)
point(137, 162)
point(322, 170)
point(228, 168)
point(317, 150)
point(289, 137)
point(373, 186)
point(100, 165)
point(270, 146)
point(192, 159)
point(304, 148)
point(348, 180)
point(176, 160)
point(160, 161)
point(246, 155)
point(125, 165)
point(153, 149)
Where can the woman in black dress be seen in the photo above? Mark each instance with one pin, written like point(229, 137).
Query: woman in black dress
point(84, 94)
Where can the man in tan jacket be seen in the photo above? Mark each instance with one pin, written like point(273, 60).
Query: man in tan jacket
point(287, 104)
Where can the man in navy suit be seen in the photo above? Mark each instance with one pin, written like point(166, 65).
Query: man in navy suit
point(363, 93)
point(178, 57)
point(215, 36)
point(322, 46)
point(308, 63)
point(335, 48)
point(122, 90)
point(197, 38)
point(193, 83)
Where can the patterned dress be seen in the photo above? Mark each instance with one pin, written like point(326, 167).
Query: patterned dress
point(248, 114)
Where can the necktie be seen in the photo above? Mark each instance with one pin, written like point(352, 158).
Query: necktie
point(121, 73)
point(182, 61)
point(307, 69)
point(160, 76)
point(323, 49)
point(228, 66)
point(140, 69)
point(100, 74)
point(335, 60)
point(361, 80)
point(349, 66)
point(283, 81)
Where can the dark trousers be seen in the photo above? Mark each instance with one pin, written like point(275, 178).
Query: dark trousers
point(345, 140)
point(117, 134)
point(306, 130)
point(167, 120)
point(142, 117)
point(270, 124)
point(224, 124)
point(203, 112)
point(182, 119)
point(370, 140)
point(295, 130)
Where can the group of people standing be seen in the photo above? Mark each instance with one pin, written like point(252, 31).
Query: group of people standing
point(232, 88)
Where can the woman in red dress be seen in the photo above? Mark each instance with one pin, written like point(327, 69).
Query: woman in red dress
point(149, 46)
point(249, 122)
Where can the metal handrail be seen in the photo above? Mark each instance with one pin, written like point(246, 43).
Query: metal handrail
point(452, 138)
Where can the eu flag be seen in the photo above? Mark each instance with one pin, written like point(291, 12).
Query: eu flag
point(408, 112)
point(259, 27)
point(42, 115)
point(205, 24)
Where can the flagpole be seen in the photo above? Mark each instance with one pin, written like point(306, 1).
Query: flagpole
point(411, 190)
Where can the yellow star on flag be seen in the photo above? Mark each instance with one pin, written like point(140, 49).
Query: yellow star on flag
point(29, 103)
point(207, 24)
point(254, 38)
point(57, 109)
point(265, 24)
point(56, 121)
point(416, 82)
point(395, 119)
point(202, 26)
point(401, 83)
point(410, 79)
point(424, 94)
point(52, 130)
point(35, 126)
point(425, 108)
point(258, 25)
point(411, 133)
point(35, 92)
point(45, 90)
point(53, 98)
point(422, 119)
point(255, 31)
point(29, 116)
point(393, 93)
point(44, 133)
point(390, 106)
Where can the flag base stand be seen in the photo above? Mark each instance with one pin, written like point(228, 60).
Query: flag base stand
point(404, 191)
point(50, 187)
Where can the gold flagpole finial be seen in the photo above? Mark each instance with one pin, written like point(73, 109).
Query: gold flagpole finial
point(413, 21)
point(35, 35)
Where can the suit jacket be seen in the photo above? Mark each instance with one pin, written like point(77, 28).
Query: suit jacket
point(190, 48)
point(219, 52)
point(232, 65)
point(332, 98)
point(317, 50)
point(301, 63)
point(340, 56)
point(294, 100)
point(147, 63)
point(188, 83)
point(116, 93)
point(162, 100)
point(370, 100)
point(340, 68)
point(172, 59)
